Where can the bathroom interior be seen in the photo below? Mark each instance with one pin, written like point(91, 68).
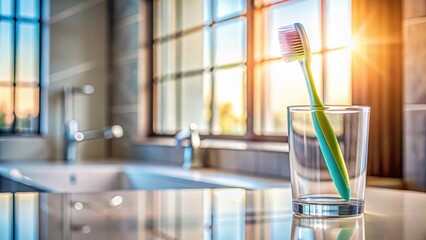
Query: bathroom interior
point(167, 119)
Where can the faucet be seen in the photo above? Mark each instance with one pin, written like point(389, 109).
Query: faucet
point(192, 150)
point(72, 132)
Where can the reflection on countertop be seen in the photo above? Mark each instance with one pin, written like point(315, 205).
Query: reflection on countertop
point(203, 214)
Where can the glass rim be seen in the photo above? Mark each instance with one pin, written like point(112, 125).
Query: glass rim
point(329, 108)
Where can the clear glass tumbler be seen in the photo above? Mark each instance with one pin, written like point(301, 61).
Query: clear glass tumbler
point(313, 189)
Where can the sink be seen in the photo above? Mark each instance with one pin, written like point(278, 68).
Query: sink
point(90, 178)
point(101, 177)
point(72, 178)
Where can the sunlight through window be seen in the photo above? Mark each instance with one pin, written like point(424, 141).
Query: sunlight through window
point(205, 63)
point(19, 66)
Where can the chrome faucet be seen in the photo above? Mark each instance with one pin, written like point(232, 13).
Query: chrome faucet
point(191, 150)
point(72, 133)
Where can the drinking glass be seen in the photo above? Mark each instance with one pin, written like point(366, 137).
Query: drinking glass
point(313, 189)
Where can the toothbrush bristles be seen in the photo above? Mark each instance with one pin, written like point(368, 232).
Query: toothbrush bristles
point(291, 43)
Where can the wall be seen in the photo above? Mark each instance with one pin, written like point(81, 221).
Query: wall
point(130, 71)
point(78, 56)
point(414, 27)
point(124, 71)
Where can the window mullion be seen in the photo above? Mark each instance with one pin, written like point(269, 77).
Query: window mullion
point(212, 75)
point(250, 69)
point(14, 45)
point(40, 67)
point(178, 67)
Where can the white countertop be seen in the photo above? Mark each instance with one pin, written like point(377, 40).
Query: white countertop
point(264, 213)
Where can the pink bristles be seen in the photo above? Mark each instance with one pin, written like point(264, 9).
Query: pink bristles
point(291, 43)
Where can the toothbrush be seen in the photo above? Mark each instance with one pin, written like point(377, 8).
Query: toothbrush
point(295, 47)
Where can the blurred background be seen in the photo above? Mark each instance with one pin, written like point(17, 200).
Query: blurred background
point(159, 65)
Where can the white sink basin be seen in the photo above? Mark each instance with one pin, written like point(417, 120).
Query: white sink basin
point(95, 178)
point(73, 178)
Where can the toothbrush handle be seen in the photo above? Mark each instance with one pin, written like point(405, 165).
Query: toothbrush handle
point(345, 234)
point(332, 154)
point(327, 139)
point(313, 95)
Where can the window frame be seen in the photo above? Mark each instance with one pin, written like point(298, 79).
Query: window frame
point(252, 8)
point(14, 20)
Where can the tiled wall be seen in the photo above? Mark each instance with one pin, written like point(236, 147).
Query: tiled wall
point(414, 24)
point(78, 56)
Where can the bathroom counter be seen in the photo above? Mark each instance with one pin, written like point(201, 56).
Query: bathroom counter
point(203, 214)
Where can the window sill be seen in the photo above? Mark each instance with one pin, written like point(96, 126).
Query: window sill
point(217, 144)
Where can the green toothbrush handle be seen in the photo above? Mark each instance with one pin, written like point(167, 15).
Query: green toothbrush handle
point(327, 139)
point(332, 154)
point(345, 233)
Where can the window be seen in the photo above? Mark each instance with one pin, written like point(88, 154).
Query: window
point(19, 66)
point(217, 63)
